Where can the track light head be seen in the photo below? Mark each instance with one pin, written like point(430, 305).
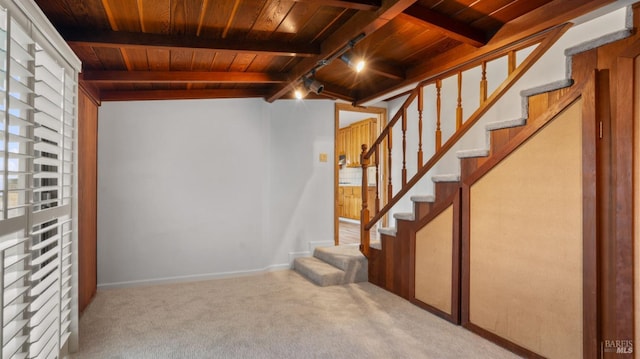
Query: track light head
point(356, 64)
point(313, 85)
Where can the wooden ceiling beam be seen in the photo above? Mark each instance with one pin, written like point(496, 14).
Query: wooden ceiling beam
point(147, 95)
point(364, 22)
point(450, 27)
point(146, 41)
point(364, 5)
point(181, 77)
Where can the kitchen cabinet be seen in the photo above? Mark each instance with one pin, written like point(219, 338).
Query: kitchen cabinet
point(350, 201)
point(351, 138)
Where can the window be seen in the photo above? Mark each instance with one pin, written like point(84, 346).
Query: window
point(38, 92)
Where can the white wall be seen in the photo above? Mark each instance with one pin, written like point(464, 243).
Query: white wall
point(206, 188)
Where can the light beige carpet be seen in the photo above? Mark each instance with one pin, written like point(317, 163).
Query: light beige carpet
point(272, 315)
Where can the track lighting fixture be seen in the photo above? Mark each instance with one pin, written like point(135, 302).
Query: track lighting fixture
point(313, 85)
point(355, 63)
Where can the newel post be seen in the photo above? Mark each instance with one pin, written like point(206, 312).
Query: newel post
point(364, 214)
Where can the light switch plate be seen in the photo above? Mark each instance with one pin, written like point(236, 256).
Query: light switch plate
point(323, 157)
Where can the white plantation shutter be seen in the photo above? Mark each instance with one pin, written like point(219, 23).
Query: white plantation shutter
point(38, 201)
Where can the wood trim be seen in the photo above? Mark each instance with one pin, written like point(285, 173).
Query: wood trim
point(112, 77)
point(382, 113)
point(89, 90)
point(622, 131)
point(589, 220)
point(87, 198)
point(455, 201)
point(149, 41)
point(148, 95)
point(513, 347)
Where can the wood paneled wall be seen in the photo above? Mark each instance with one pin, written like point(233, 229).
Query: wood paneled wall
point(87, 196)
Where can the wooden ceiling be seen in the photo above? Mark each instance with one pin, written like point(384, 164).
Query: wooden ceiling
point(164, 49)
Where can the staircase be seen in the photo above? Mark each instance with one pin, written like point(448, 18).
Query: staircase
point(333, 265)
point(498, 134)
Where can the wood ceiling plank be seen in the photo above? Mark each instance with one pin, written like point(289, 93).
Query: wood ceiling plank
point(554, 12)
point(156, 16)
point(296, 20)
point(509, 12)
point(137, 59)
point(123, 15)
point(185, 15)
point(241, 62)
point(362, 22)
point(480, 9)
point(271, 17)
point(246, 15)
point(89, 58)
point(262, 63)
point(217, 17)
point(222, 61)
point(181, 60)
point(179, 94)
point(118, 39)
point(448, 26)
point(159, 60)
point(364, 5)
point(110, 58)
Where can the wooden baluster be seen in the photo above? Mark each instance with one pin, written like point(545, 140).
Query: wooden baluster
point(420, 108)
point(483, 83)
point(459, 108)
point(389, 148)
point(377, 154)
point(438, 111)
point(511, 66)
point(364, 214)
point(404, 146)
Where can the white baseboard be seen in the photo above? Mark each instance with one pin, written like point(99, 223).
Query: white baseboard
point(193, 278)
point(294, 255)
point(314, 244)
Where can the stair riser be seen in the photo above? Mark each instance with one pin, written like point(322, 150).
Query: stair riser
point(421, 209)
point(445, 189)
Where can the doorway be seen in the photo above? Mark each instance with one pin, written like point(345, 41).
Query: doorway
point(348, 171)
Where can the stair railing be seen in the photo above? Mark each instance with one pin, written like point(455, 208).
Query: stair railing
point(544, 40)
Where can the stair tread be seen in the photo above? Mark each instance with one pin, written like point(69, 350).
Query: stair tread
point(476, 152)
point(389, 231)
point(446, 178)
point(423, 198)
point(405, 216)
point(498, 125)
point(339, 256)
point(318, 271)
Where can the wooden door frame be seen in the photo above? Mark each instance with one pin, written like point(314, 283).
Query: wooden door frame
point(382, 114)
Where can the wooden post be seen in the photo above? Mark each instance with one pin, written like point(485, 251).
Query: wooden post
point(364, 214)
point(389, 148)
point(377, 154)
point(438, 112)
point(483, 83)
point(459, 108)
point(420, 108)
point(511, 62)
point(404, 146)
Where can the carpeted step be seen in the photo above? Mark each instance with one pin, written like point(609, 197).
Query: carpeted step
point(345, 257)
point(317, 271)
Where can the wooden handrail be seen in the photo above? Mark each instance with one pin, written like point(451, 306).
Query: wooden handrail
point(545, 40)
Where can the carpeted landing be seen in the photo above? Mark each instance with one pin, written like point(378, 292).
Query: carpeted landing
point(272, 315)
